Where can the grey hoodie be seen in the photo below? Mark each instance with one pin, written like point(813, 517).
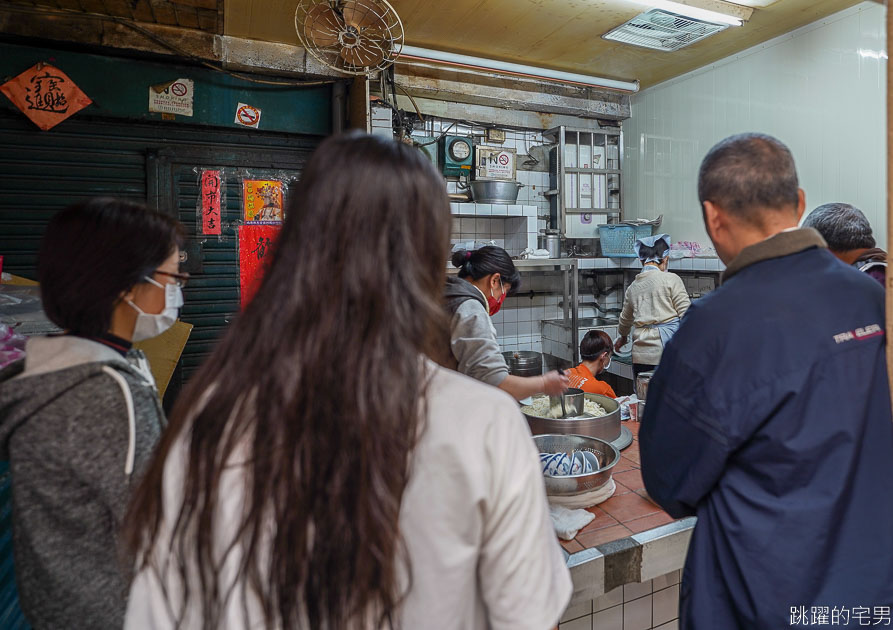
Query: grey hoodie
point(472, 336)
point(78, 423)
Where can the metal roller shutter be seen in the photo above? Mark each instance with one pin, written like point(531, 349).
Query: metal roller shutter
point(42, 172)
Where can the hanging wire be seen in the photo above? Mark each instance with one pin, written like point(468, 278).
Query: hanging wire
point(164, 43)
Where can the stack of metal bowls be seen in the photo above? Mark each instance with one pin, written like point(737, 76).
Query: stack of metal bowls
point(573, 485)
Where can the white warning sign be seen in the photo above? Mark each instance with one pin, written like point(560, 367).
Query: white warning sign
point(247, 115)
point(174, 97)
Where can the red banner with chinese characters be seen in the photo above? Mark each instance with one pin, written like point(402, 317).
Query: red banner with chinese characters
point(210, 192)
point(256, 243)
point(46, 95)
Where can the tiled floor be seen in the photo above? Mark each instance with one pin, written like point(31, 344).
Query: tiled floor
point(628, 512)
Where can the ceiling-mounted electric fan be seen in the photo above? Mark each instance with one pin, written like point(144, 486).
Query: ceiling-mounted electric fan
point(356, 37)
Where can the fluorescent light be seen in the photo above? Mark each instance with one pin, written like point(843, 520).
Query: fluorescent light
point(692, 12)
point(872, 54)
point(479, 63)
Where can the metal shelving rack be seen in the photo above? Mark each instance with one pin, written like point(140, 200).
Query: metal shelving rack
point(584, 190)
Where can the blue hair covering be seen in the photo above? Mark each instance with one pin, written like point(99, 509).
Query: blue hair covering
point(650, 242)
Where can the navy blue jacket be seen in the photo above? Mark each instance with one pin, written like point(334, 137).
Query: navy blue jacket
point(769, 418)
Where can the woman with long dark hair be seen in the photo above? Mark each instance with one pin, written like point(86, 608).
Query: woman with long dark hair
point(487, 276)
point(357, 484)
point(79, 415)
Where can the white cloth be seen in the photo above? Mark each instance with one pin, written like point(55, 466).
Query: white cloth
point(568, 523)
point(587, 499)
point(474, 519)
point(666, 330)
point(650, 241)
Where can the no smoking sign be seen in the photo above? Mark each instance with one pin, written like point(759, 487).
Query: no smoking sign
point(247, 115)
point(172, 97)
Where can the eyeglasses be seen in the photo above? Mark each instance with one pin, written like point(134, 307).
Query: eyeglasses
point(180, 279)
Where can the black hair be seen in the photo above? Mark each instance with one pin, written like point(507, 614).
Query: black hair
point(747, 173)
point(659, 250)
point(485, 261)
point(594, 343)
point(94, 251)
point(319, 522)
point(844, 227)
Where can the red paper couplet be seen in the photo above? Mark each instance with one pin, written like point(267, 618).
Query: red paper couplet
point(256, 243)
point(210, 191)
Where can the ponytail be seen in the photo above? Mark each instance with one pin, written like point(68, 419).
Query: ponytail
point(485, 261)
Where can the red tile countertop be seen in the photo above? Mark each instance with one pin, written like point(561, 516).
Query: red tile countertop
point(628, 512)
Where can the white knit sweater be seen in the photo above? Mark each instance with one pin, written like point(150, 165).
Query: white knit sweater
point(654, 297)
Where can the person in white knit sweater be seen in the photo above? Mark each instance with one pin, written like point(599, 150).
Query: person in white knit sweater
point(654, 303)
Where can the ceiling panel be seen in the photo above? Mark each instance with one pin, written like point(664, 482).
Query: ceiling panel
point(559, 34)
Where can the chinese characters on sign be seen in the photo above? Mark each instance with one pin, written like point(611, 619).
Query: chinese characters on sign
point(262, 201)
point(175, 97)
point(46, 95)
point(256, 244)
point(840, 616)
point(210, 207)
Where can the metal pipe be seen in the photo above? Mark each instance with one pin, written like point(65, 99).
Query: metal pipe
point(479, 63)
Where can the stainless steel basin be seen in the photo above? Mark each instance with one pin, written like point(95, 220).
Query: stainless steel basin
point(572, 485)
point(606, 427)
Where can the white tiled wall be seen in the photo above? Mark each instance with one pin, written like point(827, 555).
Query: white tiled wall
point(652, 605)
point(519, 324)
point(535, 177)
point(512, 227)
point(820, 89)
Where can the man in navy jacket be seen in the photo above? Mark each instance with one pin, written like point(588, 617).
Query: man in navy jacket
point(769, 416)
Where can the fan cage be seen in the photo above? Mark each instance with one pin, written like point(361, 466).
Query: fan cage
point(356, 37)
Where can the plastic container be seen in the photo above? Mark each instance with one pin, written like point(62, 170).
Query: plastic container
point(618, 241)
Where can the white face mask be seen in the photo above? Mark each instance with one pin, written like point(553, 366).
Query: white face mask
point(149, 325)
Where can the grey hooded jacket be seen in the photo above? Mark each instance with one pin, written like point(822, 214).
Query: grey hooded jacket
point(78, 423)
point(472, 336)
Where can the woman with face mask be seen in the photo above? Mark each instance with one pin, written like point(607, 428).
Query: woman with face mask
point(595, 350)
point(80, 415)
point(486, 277)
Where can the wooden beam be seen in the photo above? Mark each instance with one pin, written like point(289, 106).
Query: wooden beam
point(890, 198)
point(358, 110)
point(472, 87)
point(232, 53)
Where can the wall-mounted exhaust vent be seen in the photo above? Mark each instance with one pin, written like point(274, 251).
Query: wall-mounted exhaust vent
point(662, 30)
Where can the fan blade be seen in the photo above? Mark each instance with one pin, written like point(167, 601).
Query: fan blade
point(367, 54)
point(322, 25)
point(362, 13)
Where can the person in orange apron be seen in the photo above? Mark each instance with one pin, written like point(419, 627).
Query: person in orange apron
point(595, 350)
